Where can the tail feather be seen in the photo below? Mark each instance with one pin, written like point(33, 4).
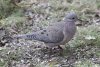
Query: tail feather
point(23, 36)
point(30, 36)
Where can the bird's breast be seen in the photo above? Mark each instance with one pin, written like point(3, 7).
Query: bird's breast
point(69, 31)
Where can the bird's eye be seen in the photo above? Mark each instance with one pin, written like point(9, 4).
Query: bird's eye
point(73, 18)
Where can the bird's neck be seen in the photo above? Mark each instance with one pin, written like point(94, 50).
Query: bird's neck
point(70, 28)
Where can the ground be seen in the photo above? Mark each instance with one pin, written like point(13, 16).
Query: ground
point(25, 16)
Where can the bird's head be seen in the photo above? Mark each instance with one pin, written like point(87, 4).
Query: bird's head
point(72, 18)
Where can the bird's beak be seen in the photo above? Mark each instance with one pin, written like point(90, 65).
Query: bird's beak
point(79, 19)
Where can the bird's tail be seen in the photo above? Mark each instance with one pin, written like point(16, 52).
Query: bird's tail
point(23, 36)
point(10, 38)
point(29, 36)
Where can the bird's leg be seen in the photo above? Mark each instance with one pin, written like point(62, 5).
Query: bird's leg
point(50, 50)
point(60, 47)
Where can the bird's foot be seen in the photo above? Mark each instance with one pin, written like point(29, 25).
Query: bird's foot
point(59, 47)
point(52, 51)
point(49, 50)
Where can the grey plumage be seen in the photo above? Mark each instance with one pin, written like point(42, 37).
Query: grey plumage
point(55, 34)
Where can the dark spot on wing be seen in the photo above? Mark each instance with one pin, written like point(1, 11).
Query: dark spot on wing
point(28, 35)
point(31, 36)
point(42, 32)
point(50, 25)
point(47, 34)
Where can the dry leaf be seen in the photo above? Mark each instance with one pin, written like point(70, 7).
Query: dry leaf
point(90, 37)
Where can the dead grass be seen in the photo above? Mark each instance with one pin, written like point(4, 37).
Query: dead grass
point(87, 36)
point(44, 13)
point(85, 63)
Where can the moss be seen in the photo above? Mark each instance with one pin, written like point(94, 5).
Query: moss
point(82, 33)
point(6, 9)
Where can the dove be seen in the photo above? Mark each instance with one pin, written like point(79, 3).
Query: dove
point(55, 34)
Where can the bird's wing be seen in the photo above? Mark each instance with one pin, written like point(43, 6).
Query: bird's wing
point(51, 34)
